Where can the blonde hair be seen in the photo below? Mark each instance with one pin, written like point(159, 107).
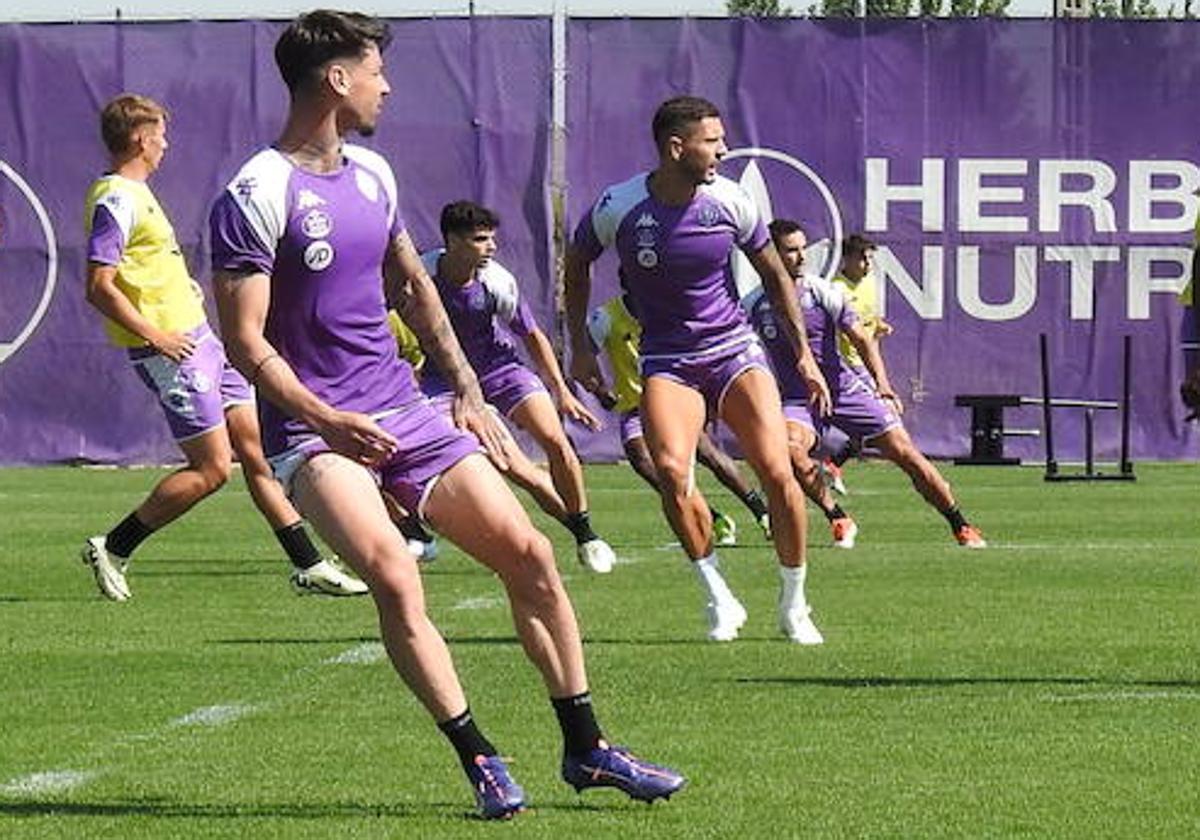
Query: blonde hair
point(124, 115)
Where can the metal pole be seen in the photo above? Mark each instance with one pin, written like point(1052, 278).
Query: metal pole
point(1089, 442)
point(1047, 419)
point(1126, 464)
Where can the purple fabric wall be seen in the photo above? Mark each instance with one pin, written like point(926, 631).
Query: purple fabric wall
point(833, 104)
point(468, 118)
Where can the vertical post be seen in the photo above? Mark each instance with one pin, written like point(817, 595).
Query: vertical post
point(1089, 442)
point(1047, 418)
point(1126, 464)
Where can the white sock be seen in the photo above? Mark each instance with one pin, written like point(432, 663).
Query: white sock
point(709, 571)
point(791, 591)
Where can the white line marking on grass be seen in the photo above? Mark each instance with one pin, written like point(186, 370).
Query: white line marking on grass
point(367, 653)
point(214, 715)
point(1108, 696)
point(483, 602)
point(48, 781)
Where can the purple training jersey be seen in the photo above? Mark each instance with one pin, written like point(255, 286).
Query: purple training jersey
point(676, 262)
point(322, 239)
point(826, 312)
point(486, 312)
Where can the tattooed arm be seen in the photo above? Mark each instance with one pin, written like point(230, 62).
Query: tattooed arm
point(411, 292)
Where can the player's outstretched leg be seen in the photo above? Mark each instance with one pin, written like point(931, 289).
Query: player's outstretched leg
point(801, 439)
point(537, 416)
point(311, 574)
point(726, 471)
point(673, 415)
point(208, 467)
point(341, 500)
point(898, 447)
point(751, 408)
point(474, 508)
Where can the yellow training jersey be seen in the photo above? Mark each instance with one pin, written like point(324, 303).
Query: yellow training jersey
point(406, 340)
point(126, 228)
point(864, 298)
point(617, 333)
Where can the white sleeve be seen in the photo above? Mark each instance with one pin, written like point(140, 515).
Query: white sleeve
point(502, 287)
point(599, 325)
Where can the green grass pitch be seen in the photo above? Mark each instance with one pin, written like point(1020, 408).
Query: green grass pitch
point(1046, 687)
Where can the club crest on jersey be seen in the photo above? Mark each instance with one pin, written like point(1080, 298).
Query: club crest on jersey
point(367, 185)
point(316, 224)
point(708, 215)
point(647, 257)
point(318, 255)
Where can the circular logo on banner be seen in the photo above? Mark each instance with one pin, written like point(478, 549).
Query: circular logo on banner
point(784, 186)
point(26, 301)
point(318, 255)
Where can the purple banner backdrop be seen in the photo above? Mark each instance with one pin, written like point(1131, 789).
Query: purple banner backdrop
point(1005, 167)
point(1021, 177)
point(468, 117)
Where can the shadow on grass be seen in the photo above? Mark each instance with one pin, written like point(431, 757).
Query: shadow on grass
point(949, 682)
point(166, 809)
point(465, 641)
point(461, 641)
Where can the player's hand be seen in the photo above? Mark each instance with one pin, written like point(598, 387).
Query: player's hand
point(175, 346)
point(883, 328)
point(573, 409)
point(888, 395)
point(359, 438)
point(1189, 392)
point(818, 389)
point(585, 369)
point(471, 414)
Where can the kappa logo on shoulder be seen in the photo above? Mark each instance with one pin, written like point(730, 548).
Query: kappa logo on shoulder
point(245, 187)
point(646, 221)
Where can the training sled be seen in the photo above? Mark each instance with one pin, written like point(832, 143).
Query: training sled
point(988, 431)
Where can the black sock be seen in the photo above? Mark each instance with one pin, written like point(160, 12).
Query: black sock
point(955, 518)
point(466, 738)
point(835, 512)
point(580, 526)
point(127, 536)
point(754, 501)
point(412, 529)
point(713, 513)
point(580, 731)
point(847, 451)
point(298, 545)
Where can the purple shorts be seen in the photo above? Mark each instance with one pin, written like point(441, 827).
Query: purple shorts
point(504, 387)
point(857, 411)
point(630, 424)
point(429, 445)
point(196, 393)
point(509, 385)
point(710, 374)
